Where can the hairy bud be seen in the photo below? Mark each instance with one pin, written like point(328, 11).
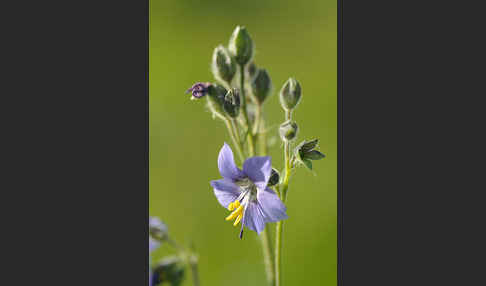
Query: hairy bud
point(290, 94)
point(216, 95)
point(232, 103)
point(274, 178)
point(241, 46)
point(252, 70)
point(223, 65)
point(288, 130)
point(261, 86)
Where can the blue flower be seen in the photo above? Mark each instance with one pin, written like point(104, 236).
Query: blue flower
point(157, 233)
point(245, 192)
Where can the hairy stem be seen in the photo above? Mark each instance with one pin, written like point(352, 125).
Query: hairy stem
point(236, 142)
point(195, 271)
point(284, 186)
point(259, 129)
point(268, 256)
point(236, 131)
point(251, 140)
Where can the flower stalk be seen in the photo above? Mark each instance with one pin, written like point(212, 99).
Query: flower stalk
point(233, 132)
point(283, 196)
point(249, 133)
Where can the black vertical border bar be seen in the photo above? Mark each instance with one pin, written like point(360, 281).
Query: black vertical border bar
point(339, 143)
point(147, 137)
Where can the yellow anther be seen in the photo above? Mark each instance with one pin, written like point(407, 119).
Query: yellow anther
point(238, 219)
point(233, 205)
point(235, 213)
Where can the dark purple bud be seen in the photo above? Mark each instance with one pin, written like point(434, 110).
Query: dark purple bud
point(199, 89)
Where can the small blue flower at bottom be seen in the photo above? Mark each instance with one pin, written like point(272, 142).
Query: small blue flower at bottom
point(245, 192)
point(156, 226)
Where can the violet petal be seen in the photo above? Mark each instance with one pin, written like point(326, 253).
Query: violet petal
point(258, 169)
point(253, 218)
point(271, 206)
point(225, 191)
point(226, 164)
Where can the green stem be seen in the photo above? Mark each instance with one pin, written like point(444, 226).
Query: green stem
point(251, 141)
point(268, 256)
point(265, 235)
point(258, 116)
point(236, 141)
point(195, 271)
point(283, 196)
point(260, 130)
point(288, 114)
point(279, 228)
point(236, 131)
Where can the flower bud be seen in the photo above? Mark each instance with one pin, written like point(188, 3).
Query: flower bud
point(261, 86)
point(223, 65)
point(232, 102)
point(241, 46)
point(198, 90)
point(216, 94)
point(252, 70)
point(290, 94)
point(288, 130)
point(274, 178)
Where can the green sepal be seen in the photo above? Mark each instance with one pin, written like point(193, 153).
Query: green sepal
point(309, 145)
point(307, 163)
point(314, 155)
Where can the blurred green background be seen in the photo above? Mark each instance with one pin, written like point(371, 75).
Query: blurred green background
point(292, 38)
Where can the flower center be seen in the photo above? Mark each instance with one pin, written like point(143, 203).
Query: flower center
point(247, 185)
point(249, 193)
